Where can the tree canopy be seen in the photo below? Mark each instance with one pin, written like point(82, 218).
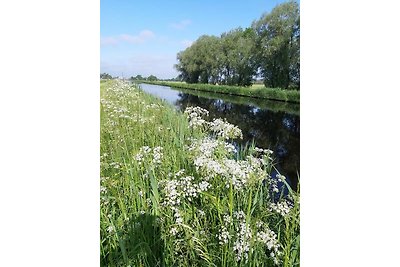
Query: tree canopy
point(269, 49)
point(105, 76)
point(137, 77)
point(152, 78)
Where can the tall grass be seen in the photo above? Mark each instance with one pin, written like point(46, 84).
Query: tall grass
point(255, 91)
point(175, 191)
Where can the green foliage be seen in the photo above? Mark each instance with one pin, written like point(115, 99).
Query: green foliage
point(137, 78)
point(271, 47)
point(278, 36)
point(152, 78)
point(105, 76)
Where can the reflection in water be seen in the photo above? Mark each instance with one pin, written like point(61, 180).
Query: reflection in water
point(269, 128)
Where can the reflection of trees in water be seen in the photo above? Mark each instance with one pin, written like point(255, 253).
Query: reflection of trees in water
point(277, 131)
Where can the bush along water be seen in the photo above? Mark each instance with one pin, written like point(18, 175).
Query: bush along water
point(175, 190)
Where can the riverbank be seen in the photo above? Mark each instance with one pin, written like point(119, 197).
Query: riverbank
point(292, 96)
point(174, 183)
point(275, 106)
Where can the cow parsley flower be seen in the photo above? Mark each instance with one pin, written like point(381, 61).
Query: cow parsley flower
point(173, 231)
point(283, 207)
point(223, 235)
point(269, 239)
point(225, 129)
point(157, 155)
point(195, 115)
point(242, 244)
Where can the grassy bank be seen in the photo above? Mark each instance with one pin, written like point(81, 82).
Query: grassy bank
point(175, 192)
point(275, 106)
point(254, 91)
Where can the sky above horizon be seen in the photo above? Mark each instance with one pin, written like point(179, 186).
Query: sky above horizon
point(143, 37)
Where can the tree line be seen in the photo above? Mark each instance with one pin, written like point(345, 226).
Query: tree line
point(136, 78)
point(269, 49)
point(141, 78)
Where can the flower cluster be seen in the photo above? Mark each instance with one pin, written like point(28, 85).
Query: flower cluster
point(157, 155)
point(224, 235)
point(182, 188)
point(225, 130)
point(269, 238)
point(243, 236)
point(205, 147)
point(210, 157)
point(195, 116)
point(283, 207)
point(242, 243)
point(220, 127)
point(145, 152)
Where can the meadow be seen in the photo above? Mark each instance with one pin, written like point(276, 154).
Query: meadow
point(176, 190)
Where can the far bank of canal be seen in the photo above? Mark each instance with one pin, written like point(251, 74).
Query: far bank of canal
point(271, 124)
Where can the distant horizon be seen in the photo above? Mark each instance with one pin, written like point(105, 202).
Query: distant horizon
point(143, 38)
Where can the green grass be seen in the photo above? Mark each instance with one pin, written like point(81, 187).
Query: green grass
point(139, 223)
point(256, 91)
point(275, 106)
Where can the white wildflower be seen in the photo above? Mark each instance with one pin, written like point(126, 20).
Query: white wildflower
point(173, 231)
point(269, 238)
point(201, 212)
point(242, 243)
point(225, 129)
point(283, 207)
point(178, 217)
point(179, 173)
point(157, 155)
point(223, 235)
point(280, 177)
point(172, 196)
point(227, 219)
point(110, 229)
point(195, 115)
point(103, 190)
point(239, 215)
point(203, 186)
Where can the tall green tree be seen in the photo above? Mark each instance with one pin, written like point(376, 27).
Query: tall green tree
point(137, 77)
point(152, 78)
point(200, 62)
point(238, 53)
point(279, 45)
point(105, 76)
point(187, 67)
point(270, 48)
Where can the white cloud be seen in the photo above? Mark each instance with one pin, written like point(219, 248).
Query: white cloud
point(181, 25)
point(186, 43)
point(140, 38)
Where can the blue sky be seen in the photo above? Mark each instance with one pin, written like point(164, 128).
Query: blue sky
point(143, 37)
